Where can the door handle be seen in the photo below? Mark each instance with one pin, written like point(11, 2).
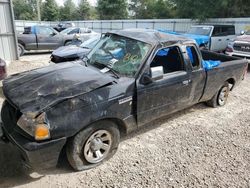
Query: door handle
point(186, 82)
point(219, 40)
point(228, 39)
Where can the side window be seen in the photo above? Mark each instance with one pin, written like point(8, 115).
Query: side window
point(228, 30)
point(193, 57)
point(170, 59)
point(216, 31)
point(74, 31)
point(44, 31)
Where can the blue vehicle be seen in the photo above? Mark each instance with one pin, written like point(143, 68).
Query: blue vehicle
point(210, 37)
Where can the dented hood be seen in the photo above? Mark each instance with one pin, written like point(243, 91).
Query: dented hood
point(34, 91)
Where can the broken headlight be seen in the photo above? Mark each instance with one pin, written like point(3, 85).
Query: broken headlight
point(35, 126)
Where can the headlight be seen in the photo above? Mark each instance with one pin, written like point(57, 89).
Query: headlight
point(36, 127)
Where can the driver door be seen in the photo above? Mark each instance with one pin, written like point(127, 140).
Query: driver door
point(48, 39)
point(166, 95)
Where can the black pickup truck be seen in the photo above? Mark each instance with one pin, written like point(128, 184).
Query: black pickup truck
point(130, 77)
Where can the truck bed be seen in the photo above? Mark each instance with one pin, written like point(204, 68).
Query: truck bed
point(231, 70)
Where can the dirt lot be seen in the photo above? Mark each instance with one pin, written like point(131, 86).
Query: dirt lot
point(197, 147)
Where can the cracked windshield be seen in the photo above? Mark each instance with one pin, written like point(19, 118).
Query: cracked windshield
point(120, 54)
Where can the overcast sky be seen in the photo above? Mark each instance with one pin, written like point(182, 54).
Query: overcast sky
point(92, 2)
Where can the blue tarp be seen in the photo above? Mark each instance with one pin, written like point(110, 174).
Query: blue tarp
point(200, 39)
point(209, 64)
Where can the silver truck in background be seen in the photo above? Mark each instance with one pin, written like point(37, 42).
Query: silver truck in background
point(46, 38)
point(240, 47)
point(212, 37)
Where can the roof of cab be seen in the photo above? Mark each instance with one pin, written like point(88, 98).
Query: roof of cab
point(150, 36)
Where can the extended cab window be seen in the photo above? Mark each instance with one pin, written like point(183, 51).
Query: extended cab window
point(170, 59)
point(193, 57)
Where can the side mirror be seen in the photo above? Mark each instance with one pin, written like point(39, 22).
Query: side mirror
point(242, 32)
point(52, 34)
point(156, 73)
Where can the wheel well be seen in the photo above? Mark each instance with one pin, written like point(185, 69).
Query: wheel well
point(231, 81)
point(120, 124)
point(22, 43)
point(67, 41)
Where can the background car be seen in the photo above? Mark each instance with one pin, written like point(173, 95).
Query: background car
point(240, 46)
point(72, 52)
point(40, 37)
point(63, 25)
point(84, 33)
point(3, 72)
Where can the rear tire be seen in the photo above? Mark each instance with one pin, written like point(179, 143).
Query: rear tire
point(93, 145)
point(220, 98)
point(20, 49)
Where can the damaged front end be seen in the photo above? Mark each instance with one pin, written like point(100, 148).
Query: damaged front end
point(37, 127)
point(29, 97)
point(27, 132)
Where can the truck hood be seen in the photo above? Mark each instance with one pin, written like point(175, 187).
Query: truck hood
point(70, 51)
point(243, 38)
point(36, 90)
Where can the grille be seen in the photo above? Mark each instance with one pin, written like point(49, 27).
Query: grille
point(242, 47)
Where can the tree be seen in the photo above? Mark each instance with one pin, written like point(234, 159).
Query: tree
point(203, 10)
point(50, 11)
point(147, 9)
point(25, 9)
point(68, 11)
point(83, 10)
point(112, 9)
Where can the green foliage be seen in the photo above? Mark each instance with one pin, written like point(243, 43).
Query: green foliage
point(68, 11)
point(50, 11)
point(136, 9)
point(203, 10)
point(25, 9)
point(147, 9)
point(112, 9)
point(83, 10)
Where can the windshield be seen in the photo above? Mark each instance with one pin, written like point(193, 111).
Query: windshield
point(200, 30)
point(121, 54)
point(90, 43)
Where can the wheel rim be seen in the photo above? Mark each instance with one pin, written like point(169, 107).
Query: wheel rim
point(19, 50)
point(97, 146)
point(223, 96)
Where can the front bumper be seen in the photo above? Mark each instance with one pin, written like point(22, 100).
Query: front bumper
point(35, 155)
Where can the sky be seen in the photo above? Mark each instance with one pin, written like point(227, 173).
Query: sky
point(92, 2)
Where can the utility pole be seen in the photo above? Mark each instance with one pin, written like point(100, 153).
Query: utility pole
point(38, 10)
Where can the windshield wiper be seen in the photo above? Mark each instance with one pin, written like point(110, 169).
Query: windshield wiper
point(108, 67)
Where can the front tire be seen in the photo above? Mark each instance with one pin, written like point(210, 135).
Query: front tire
point(93, 145)
point(220, 98)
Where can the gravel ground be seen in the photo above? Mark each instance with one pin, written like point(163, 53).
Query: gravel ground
point(197, 147)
